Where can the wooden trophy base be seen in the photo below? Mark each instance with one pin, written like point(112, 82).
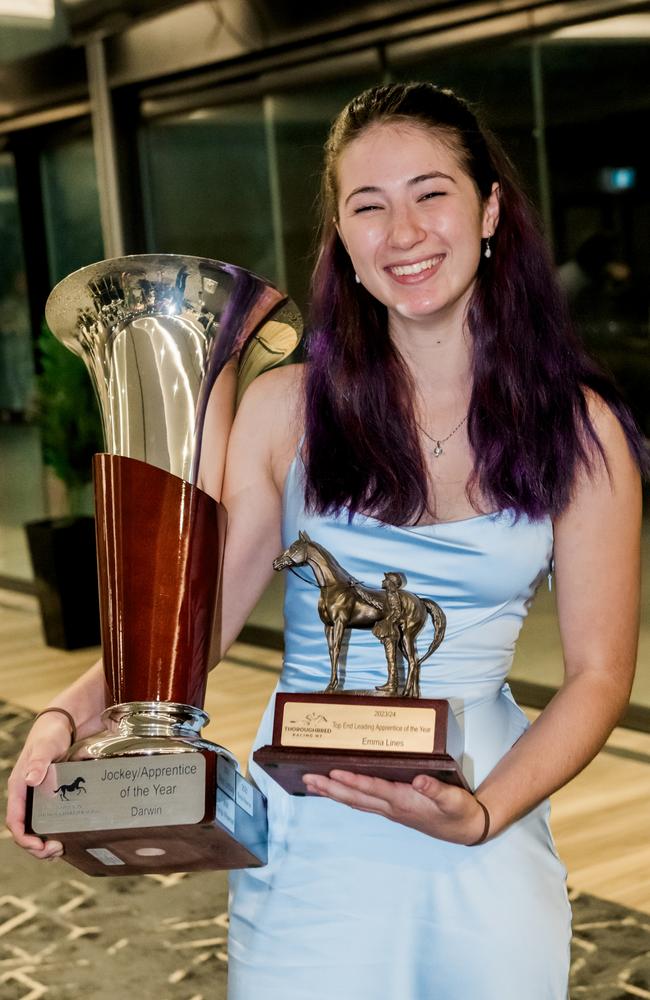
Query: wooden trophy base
point(287, 766)
point(391, 738)
point(134, 815)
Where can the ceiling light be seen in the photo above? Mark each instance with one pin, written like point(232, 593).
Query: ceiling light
point(41, 9)
point(625, 26)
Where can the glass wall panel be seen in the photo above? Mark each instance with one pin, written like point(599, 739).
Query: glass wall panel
point(598, 163)
point(73, 235)
point(71, 206)
point(206, 186)
point(597, 113)
point(16, 356)
point(301, 121)
point(21, 490)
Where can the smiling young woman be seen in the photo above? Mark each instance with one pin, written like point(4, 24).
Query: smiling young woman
point(454, 430)
point(447, 427)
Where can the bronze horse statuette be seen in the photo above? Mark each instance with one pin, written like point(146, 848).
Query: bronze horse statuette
point(395, 616)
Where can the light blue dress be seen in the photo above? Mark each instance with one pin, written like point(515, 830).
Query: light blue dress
point(352, 906)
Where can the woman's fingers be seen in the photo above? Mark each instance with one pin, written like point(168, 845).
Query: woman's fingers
point(47, 850)
point(455, 804)
point(431, 787)
point(449, 798)
point(380, 788)
point(394, 799)
point(345, 791)
point(47, 741)
point(36, 769)
point(15, 821)
point(427, 804)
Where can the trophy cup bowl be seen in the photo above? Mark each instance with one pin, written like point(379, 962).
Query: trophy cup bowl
point(170, 342)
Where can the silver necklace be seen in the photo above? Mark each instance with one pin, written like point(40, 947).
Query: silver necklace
point(438, 450)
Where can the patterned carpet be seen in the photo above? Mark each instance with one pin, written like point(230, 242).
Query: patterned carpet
point(65, 936)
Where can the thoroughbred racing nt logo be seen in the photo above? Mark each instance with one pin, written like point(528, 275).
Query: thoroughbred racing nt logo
point(74, 787)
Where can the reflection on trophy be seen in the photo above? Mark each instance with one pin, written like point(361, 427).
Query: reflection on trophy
point(171, 343)
point(388, 733)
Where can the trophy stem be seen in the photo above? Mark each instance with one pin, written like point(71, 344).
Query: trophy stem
point(159, 549)
point(145, 728)
point(155, 718)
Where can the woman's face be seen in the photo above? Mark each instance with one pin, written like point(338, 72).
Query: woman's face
point(411, 220)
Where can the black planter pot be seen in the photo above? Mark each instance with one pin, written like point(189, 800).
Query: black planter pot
point(64, 561)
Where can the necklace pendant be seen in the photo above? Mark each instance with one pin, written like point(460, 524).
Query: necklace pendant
point(437, 451)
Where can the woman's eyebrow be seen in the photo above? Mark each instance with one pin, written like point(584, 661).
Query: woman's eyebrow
point(372, 189)
point(434, 175)
point(367, 189)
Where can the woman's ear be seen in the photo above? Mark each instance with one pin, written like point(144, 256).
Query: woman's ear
point(491, 211)
point(340, 234)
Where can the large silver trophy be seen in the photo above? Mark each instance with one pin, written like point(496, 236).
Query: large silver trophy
point(171, 343)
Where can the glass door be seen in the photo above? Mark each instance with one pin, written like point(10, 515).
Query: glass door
point(21, 487)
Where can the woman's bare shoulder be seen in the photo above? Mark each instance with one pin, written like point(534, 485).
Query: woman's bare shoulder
point(610, 432)
point(270, 419)
point(279, 387)
point(610, 477)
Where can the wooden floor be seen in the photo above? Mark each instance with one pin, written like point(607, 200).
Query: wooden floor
point(601, 821)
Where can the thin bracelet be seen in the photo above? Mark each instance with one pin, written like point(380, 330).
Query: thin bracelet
point(486, 827)
point(63, 711)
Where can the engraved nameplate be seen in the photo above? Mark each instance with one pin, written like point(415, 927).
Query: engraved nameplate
point(121, 793)
point(352, 726)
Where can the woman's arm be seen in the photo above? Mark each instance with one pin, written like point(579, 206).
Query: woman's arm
point(262, 444)
point(597, 560)
point(48, 740)
point(597, 574)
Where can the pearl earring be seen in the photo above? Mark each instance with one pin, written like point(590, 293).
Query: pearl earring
point(357, 278)
point(487, 252)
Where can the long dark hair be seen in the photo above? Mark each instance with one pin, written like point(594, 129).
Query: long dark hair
point(528, 421)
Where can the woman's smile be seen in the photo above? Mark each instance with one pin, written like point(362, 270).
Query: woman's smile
point(408, 274)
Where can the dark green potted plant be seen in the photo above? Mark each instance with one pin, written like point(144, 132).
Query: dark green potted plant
point(62, 549)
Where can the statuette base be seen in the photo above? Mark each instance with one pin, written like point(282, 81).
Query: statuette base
point(287, 766)
point(391, 738)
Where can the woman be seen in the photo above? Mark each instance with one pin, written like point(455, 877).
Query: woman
point(446, 427)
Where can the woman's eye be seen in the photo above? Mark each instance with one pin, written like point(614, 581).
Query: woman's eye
point(431, 194)
point(366, 208)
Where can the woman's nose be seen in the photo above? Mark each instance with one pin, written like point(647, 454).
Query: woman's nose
point(405, 228)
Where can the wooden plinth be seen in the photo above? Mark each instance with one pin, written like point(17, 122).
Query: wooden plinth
point(405, 737)
point(218, 823)
point(288, 765)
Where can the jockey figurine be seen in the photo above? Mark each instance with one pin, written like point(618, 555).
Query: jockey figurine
point(392, 584)
point(389, 629)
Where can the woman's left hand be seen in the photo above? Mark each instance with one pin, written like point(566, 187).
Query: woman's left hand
point(428, 805)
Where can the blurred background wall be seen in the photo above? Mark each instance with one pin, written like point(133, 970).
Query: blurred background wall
point(197, 128)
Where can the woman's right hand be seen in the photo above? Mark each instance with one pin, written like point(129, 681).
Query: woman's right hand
point(48, 740)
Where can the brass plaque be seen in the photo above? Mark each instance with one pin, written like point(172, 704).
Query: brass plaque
point(121, 793)
point(355, 726)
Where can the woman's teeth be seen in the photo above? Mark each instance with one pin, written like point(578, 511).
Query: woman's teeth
point(422, 265)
